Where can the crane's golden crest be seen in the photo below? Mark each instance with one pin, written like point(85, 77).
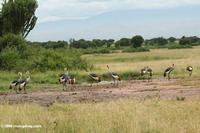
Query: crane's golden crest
point(27, 73)
point(65, 69)
point(20, 74)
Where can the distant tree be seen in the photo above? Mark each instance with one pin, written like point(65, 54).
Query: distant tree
point(185, 41)
point(171, 39)
point(98, 42)
point(137, 41)
point(109, 42)
point(71, 41)
point(80, 44)
point(194, 39)
point(19, 16)
point(123, 42)
point(159, 41)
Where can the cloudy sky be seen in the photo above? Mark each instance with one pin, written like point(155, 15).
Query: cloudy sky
point(65, 19)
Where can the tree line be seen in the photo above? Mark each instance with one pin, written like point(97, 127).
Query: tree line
point(134, 42)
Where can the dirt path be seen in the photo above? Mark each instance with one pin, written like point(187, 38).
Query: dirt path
point(132, 89)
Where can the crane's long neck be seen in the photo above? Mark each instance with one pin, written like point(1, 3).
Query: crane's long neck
point(66, 72)
point(28, 78)
point(109, 71)
point(20, 77)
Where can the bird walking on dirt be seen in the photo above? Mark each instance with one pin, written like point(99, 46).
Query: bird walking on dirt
point(94, 77)
point(147, 70)
point(15, 83)
point(114, 76)
point(168, 71)
point(190, 70)
point(23, 83)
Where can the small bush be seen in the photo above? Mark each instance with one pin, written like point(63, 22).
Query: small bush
point(12, 41)
point(9, 59)
point(177, 46)
point(97, 51)
point(140, 49)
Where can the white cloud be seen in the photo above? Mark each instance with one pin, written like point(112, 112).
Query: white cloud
point(52, 10)
point(70, 9)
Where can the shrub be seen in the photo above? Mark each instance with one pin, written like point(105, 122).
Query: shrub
point(177, 46)
point(97, 51)
point(58, 59)
point(185, 41)
point(12, 41)
point(141, 49)
point(9, 59)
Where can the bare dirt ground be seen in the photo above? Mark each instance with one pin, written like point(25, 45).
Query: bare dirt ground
point(107, 92)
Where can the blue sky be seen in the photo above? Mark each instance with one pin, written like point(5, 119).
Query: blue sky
point(89, 19)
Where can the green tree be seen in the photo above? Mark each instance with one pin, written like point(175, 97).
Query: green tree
point(159, 41)
point(123, 42)
point(109, 42)
point(185, 41)
point(19, 16)
point(171, 39)
point(137, 41)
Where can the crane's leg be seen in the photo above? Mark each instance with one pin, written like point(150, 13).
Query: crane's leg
point(114, 81)
point(15, 88)
point(190, 74)
point(25, 89)
point(66, 86)
point(169, 78)
point(91, 84)
point(63, 86)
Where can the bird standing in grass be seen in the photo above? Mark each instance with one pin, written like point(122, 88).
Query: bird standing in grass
point(168, 71)
point(65, 79)
point(114, 76)
point(147, 70)
point(24, 82)
point(190, 70)
point(15, 83)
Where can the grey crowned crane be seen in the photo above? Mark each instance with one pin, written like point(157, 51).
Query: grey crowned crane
point(94, 77)
point(24, 82)
point(114, 76)
point(15, 83)
point(147, 70)
point(190, 70)
point(65, 79)
point(168, 71)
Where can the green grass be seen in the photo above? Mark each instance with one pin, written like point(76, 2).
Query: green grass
point(129, 116)
point(128, 65)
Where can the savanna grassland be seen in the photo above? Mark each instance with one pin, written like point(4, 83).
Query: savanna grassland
point(138, 107)
point(157, 59)
point(128, 116)
point(128, 65)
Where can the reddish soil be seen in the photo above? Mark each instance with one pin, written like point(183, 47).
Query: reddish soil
point(83, 94)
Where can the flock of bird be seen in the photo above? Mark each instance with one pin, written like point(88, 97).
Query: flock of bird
point(66, 79)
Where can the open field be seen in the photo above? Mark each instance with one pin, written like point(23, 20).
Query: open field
point(129, 116)
point(158, 59)
point(160, 106)
point(122, 63)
